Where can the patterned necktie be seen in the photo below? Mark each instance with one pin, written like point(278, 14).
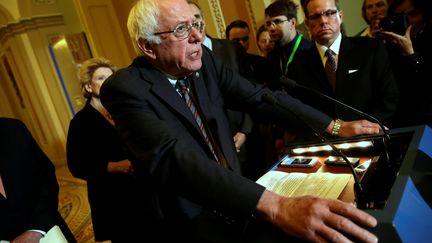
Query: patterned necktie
point(183, 85)
point(330, 68)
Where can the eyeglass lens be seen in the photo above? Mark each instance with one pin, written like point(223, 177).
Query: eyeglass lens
point(327, 14)
point(275, 22)
point(184, 30)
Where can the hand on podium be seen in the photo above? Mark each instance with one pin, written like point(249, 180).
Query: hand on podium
point(353, 128)
point(315, 219)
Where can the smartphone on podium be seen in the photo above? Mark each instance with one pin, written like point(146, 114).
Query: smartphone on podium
point(304, 162)
point(337, 160)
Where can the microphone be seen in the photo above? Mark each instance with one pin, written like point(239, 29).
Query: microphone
point(358, 189)
point(291, 83)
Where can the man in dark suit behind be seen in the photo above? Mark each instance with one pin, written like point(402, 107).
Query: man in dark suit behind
point(254, 140)
point(193, 180)
point(240, 122)
point(28, 186)
point(364, 78)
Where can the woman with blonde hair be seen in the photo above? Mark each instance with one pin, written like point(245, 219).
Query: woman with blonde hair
point(95, 153)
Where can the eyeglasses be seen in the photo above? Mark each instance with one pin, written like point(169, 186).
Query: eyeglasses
point(328, 14)
point(275, 22)
point(184, 30)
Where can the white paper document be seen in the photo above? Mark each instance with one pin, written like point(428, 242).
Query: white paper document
point(324, 185)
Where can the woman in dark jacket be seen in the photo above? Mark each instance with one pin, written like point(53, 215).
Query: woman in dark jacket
point(96, 154)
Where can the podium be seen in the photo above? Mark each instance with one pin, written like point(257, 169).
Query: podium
point(407, 214)
point(398, 190)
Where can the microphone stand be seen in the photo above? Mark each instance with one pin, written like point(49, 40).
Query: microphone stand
point(386, 138)
point(358, 190)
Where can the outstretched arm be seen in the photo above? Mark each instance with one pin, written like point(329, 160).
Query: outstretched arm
point(353, 128)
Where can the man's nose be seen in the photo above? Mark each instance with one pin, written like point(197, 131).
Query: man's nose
point(196, 34)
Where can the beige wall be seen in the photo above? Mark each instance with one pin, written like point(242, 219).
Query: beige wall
point(105, 31)
point(353, 21)
point(122, 9)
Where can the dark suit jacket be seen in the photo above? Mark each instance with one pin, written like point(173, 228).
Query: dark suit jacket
point(231, 53)
point(278, 63)
point(364, 80)
point(92, 143)
point(173, 158)
point(258, 152)
point(252, 67)
point(227, 51)
point(30, 184)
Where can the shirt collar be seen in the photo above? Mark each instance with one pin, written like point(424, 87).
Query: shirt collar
point(172, 81)
point(207, 42)
point(366, 32)
point(334, 47)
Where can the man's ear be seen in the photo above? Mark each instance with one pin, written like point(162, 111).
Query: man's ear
point(294, 22)
point(341, 16)
point(146, 48)
point(88, 88)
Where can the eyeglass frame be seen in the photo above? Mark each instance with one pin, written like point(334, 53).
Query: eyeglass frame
point(199, 25)
point(275, 22)
point(330, 13)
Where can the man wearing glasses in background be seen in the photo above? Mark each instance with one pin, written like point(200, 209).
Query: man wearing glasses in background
point(281, 20)
point(188, 167)
point(354, 70)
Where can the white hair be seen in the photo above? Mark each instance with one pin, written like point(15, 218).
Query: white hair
point(142, 23)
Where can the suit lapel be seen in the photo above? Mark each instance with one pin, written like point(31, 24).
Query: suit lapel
point(343, 63)
point(201, 91)
point(163, 89)
point(319, 76)
point(167, 94)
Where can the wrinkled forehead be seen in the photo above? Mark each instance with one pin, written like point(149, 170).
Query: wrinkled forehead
point(173, 12)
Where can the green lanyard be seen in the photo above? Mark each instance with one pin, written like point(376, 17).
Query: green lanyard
point(296, 45)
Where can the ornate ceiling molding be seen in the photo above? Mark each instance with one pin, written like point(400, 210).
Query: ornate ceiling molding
point(31, 23)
